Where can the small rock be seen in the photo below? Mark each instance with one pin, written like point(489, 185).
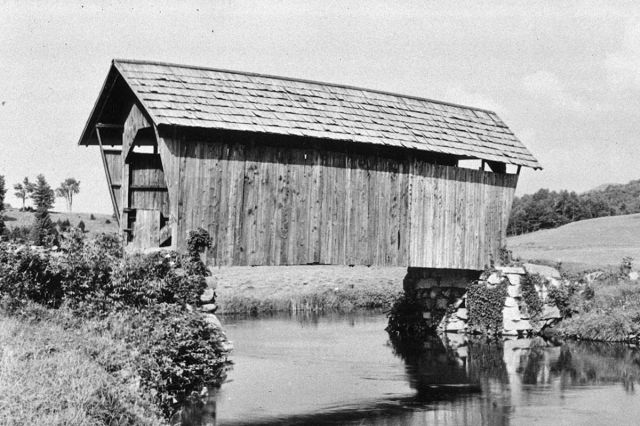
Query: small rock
point(545, 271)
point(633, 275)
point(209, 307)
point(458, 302)
point(494, 278)
point(550, 312)
point(426, 315)
point(180, 272)
point(213, 320)
point(207, 295)
point(592, 276)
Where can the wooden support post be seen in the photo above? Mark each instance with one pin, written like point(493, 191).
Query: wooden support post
point(109, 182)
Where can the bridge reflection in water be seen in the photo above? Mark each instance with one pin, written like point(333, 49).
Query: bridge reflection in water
point(460, 381)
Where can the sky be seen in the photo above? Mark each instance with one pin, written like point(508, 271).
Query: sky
point(564, 76)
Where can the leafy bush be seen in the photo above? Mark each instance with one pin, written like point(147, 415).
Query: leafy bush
point(82, 226)
point(19, 233)
point(92, 217)
point(485, 304)
point(139, 299)
point(530, 295)
point(198, 241)
point(561, 297)
point(406, 320)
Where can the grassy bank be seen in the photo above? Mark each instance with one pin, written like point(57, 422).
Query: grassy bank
point(264, 289)
point(50, 376)
point(608, 310)
point(131, 317)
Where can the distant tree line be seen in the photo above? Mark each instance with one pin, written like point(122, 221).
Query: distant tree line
point(549, 209)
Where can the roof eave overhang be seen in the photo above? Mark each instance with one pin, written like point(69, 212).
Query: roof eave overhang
point(88, 136)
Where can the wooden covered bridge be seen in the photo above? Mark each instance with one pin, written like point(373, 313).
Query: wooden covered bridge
point(284, 171)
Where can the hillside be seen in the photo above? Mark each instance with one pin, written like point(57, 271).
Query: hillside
point(102, 222)
point(585, 244)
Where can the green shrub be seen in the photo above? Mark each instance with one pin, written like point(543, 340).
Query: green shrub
point(198, 241)
point(485, 304)
point(139, 299)
point(530, 295)
point(561, 297)
point(406, 320)
point(82, 226)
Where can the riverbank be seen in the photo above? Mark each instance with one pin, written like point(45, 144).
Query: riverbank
point(50, 375)
point(319, 288)
point(608, 310)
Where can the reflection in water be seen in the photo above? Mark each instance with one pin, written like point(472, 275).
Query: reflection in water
point(344, 370)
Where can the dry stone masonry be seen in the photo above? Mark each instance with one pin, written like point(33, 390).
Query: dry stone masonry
point(443, 295)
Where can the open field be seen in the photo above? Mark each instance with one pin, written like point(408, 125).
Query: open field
point(601, 242)
point(14, 218)
point(310, 287)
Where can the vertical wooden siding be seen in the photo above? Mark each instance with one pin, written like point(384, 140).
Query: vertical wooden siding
point(273, 206)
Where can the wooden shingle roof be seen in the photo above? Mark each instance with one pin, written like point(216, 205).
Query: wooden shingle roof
point(178, 95)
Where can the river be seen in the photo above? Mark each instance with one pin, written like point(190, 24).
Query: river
point(342, 369)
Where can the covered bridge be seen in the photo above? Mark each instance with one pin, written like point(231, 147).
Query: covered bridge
point(284, 171)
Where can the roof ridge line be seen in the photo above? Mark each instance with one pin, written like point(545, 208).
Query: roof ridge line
point(302, 80)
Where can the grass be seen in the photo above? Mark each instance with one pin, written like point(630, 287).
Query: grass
point(14, 218)
point(587, 244)
point(48, 376)
point(263, 289)
point(612, 315)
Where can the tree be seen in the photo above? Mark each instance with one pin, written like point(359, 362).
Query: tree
point(23, 190)
point(44, 230)
point(67, 190)
point(3, 191)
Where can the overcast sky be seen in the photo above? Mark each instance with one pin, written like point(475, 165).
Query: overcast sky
point(565, 76)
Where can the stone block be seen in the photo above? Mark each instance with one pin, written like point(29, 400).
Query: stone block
point(510, 302)
point(207, 295)
point(455, 325)
point(494, 278)
point(514, 279)
point(462, 313)
point(511, 269)
point(510, 314)
point(514, 291)
point(550, 312)
point(545, 271)
point(209, 307)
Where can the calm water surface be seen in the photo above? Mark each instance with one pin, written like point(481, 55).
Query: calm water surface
point(342, 369)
